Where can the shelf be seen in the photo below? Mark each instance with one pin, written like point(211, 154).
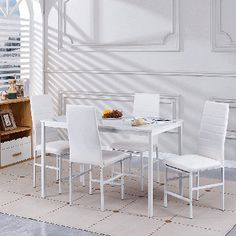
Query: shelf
point(14, 131)
point(12, 101)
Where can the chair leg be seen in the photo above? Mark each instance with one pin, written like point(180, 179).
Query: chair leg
point(112, 174)
point(165, 185)
point(223, 189)
point(181, 187)
point(82, 178)
point(130, 163)
point(197, 184)
point(34, 170)
point(191, 195)
point(158, 165)
point(57, 166)
point(122, 179)
point(59, 174)
point(102, 189)
point(90, 180)
point(142, 169)
point(70, 183)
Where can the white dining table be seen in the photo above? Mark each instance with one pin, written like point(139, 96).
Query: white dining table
point(148, 130)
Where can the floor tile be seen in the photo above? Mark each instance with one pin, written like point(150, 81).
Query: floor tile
point(133, 187)
point(7, 197)
point(21, 186)
point(30, 207)
point(112, 200)
point(230, 187)
point(124, 224)
point(5, 178)
point(75, 216)
point(21, 169)
point(178, 229)
point(139, 207)
point(207, 218)
point(52, 192)
point(212, 199)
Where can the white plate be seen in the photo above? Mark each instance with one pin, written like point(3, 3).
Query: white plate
point(112, 118)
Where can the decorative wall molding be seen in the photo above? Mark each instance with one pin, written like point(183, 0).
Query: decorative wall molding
point(161, 73)
point(169, 41)
point(174, 101)
point(222, 41)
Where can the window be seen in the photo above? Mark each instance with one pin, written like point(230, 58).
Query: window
point(14, 41)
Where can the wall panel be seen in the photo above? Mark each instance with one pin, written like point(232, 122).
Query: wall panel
point(98, 57)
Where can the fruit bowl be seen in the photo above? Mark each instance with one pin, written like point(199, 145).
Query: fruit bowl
point(112, 114)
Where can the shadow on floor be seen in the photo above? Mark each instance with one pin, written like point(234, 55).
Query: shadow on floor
point(16, 226)
point(232, 232)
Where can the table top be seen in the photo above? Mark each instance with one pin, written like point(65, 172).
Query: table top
point(120, 125)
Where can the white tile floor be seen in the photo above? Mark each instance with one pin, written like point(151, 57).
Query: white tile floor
point(127, 217)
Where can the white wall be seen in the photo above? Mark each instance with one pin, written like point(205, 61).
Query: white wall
point(172, 55)
point(37, 52)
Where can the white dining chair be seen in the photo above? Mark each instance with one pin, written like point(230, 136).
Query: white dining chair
point(210, 154)
point(85, 148)
point(41, 109)
point(146, 105)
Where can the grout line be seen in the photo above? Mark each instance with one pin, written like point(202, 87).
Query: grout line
point(106, 217)
point(52, 211)
point(98, 208)
point(160, 227)
point(140, 215)
point(8, 203)
point(212, 208)
point(196, 226)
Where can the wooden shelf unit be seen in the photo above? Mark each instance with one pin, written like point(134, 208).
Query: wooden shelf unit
point(21, 112)
point(15, 131)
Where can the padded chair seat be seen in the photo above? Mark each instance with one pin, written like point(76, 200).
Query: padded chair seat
point(130, 146)
point(58, 147)
point(110, 157)
point(192, 163)
point(164, 155)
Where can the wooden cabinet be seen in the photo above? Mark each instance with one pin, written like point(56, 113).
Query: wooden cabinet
point(16, 144)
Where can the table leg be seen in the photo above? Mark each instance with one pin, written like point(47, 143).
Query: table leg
point(180, 149)
point(180, 139)
point(43, 159)
point(150, 177)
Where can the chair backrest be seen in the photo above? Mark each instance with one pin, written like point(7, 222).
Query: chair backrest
point(146, 105)
point(84, 139)
point(42, 108)
point(213, 130)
